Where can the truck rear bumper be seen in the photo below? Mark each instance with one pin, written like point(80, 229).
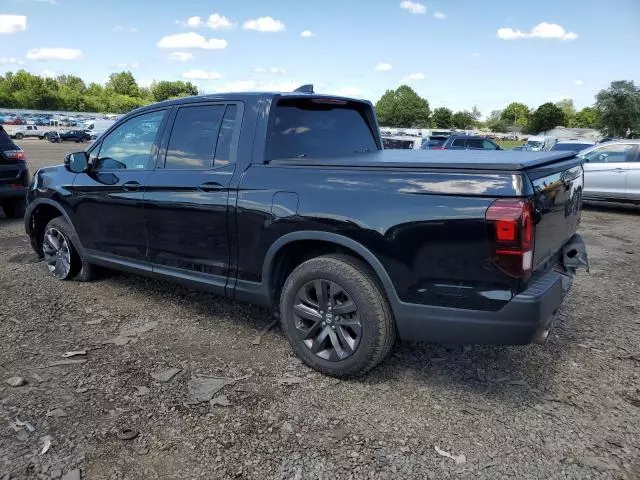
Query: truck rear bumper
point(527, 318)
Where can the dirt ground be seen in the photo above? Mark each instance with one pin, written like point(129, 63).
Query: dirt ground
point(570, 409)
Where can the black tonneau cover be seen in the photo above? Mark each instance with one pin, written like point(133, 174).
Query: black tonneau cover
point(501, 160)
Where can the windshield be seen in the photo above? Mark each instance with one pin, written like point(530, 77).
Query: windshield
point(305, 128)
point(575, 147)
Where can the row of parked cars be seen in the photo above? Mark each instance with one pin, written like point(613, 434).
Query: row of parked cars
point(612, 166)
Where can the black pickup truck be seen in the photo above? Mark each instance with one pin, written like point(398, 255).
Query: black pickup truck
point(288, 200)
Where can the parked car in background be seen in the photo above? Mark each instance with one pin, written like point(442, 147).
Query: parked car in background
point(572, 145)
point(541, 143)
point(522, 148)
point(612, 171)
point(289, 201)
point(401, 142)
point(467, 142)
point(433, 142)
point(77, 136)
point(28, 131)
point(14, 176)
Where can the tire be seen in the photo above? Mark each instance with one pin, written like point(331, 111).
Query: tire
point(18, 136)
point(79, 268)
point(352, 280)
point(14, 208)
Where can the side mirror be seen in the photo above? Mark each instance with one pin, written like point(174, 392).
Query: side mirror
point(77, 162)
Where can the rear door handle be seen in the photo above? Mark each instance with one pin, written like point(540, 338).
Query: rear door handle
point(131, 186)
point(210, 187)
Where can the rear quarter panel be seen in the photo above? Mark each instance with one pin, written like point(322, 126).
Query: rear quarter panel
point(426, 228)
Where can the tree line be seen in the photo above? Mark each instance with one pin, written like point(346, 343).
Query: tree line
point(120, 94)
point(616, 112)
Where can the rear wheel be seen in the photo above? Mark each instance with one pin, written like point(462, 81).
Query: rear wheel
point(19, 136)
point(61, 254)
point(336, 316)
point(14, 208)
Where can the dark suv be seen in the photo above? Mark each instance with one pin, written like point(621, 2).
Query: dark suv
point(465, 142)
point(14, 176)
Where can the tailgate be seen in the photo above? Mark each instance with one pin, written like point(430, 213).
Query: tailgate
point(558, 203)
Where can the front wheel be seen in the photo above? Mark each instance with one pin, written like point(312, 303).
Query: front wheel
point(61, 254)
point(336, 316)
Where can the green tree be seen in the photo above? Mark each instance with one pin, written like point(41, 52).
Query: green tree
point(619, 108)
point(495, 122)
point(72, 82)
point(463, 120)
point(165, 90)
point(546, 117)
point(403, 107)
point(566, 105)
point(516, 114)
point(123, 83)
point(442, 118)
point(476, 114)
point(588, 117)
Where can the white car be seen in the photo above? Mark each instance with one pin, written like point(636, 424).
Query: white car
point(26, 131)
point(612, 171)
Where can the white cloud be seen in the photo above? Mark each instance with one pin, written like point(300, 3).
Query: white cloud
point(12, 24)
point(307, 33)
point(542, 30)
point(272, 70)
point(128, 65)
point(264, 24)
point(11, 61)
point(258, 85)
point(414, 7)
point(214, 22)
point(414, 76)
point(191, 40)
point(198, 74)
point(54, 54)
point(579, 83)
point(382, 67)
point(440, 15)
point(48, 74)
point(181, 56)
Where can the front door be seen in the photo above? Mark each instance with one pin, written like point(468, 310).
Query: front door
point(605, 170)
point(186, 199)
point(107, 200)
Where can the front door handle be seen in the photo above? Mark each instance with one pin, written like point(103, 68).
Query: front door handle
point(619, 170)
point(210, 187)
point(131, 186)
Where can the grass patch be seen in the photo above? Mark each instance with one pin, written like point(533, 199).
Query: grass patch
point(509, 144)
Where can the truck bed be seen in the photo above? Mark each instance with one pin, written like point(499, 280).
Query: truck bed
point(500, 160)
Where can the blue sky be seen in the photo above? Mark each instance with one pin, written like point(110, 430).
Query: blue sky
point(454, 53)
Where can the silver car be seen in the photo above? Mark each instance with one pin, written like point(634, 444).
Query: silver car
point(612, 171)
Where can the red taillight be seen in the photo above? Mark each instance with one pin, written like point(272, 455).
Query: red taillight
point(15, 155)
point(510, 232)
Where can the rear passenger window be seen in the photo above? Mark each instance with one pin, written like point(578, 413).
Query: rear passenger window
point(223, 151)
point(458, 142)
point(487, 145)
point(192, 145)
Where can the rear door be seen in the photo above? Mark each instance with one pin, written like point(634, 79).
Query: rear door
point(186, 199)
point(633, 175)
point(606, 169)
point(108, 198)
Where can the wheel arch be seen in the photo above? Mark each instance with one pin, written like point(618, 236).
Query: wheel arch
point(38, 214)
point(272, 278)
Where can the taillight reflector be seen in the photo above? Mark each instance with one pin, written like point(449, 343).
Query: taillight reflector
point(15, 154)
point(510, 233)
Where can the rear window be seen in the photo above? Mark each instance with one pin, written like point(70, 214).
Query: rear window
point(303, 128)
point(575, 147)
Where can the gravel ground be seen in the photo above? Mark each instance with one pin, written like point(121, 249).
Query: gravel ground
point(570, 409)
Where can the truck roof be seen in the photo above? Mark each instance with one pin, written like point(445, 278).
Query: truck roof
point(511, 161)
point(244, 96)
